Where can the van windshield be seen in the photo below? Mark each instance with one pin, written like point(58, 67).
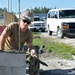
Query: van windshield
point(36, 19)
point(67, 14)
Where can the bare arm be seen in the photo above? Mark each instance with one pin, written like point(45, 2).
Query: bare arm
point(3, 36)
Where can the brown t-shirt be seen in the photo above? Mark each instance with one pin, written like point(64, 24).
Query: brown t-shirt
point(12, 41)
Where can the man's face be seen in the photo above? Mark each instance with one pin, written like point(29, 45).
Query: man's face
point(24, 23)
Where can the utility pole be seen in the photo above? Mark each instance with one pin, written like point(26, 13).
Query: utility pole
point(8, 5)
point(11, 6)
point(11, 12)
point(19, 23)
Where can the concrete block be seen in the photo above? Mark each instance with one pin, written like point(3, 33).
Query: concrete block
point(12, 63)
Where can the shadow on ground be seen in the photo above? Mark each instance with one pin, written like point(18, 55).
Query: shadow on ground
point(58, 72)
point(70, 35)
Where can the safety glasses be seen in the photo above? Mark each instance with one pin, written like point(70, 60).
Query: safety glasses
point(26, 21)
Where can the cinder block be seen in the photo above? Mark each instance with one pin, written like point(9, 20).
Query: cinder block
point(12, 63)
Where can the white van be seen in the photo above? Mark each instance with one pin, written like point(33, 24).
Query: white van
point(61, 21)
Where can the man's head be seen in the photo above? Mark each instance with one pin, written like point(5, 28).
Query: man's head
point(26, 18)
point(27, 15)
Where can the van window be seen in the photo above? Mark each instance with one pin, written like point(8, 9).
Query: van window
point(36, 19)
point(49, 15)
point(56, 14)
point(67, 14)
point(52, 14)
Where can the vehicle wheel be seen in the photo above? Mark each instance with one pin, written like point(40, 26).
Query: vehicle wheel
point(37, 30)
point(60, 34)
point(49, 32)
point(43, 30)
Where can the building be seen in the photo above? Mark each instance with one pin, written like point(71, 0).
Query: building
point(7, 17)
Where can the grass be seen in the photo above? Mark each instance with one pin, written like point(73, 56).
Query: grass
point(61, 49)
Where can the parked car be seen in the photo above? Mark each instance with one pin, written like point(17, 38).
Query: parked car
point(61, 21)
point(37, 25)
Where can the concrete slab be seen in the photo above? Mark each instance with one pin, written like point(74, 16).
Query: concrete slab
point(12, 63)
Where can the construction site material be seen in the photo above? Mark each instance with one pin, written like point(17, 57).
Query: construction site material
point(12, 63)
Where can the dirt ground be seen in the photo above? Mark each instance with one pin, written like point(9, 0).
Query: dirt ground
point(57, 65)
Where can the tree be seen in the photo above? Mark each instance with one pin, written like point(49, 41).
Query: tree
point(40, 9)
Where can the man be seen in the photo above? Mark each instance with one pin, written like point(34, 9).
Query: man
point(9, 39)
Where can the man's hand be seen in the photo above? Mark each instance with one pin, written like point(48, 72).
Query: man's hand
point(33, 53)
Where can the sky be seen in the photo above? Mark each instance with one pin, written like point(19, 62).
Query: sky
point(28, 4)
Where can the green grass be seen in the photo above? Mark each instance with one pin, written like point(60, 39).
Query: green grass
point(61, 49)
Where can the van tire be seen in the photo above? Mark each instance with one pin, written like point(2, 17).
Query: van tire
point(60, 34)
point(49, 32)
point(43, 30)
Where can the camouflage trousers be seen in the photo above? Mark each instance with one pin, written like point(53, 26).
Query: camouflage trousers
point(33, 65)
